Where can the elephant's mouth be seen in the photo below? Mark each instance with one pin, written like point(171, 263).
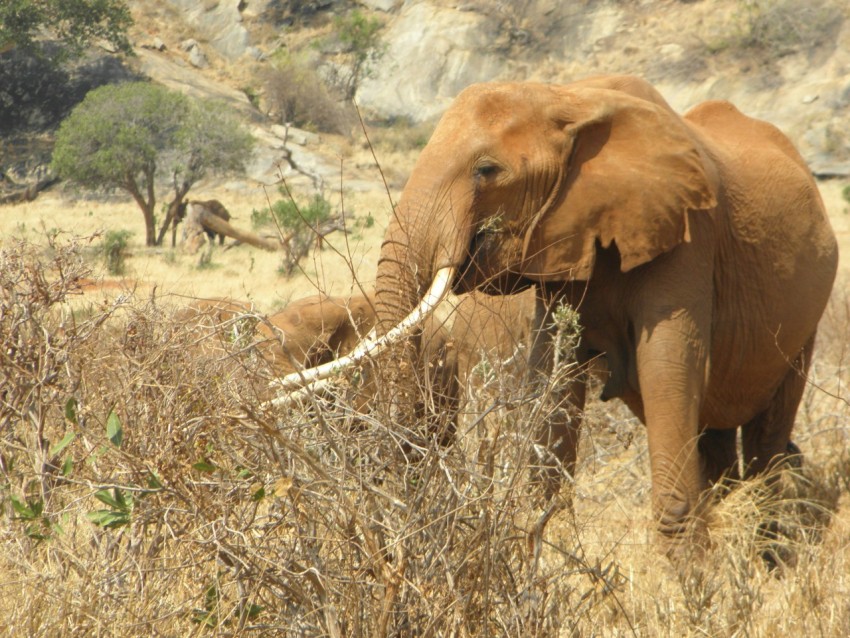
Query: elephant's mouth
point(486, 268)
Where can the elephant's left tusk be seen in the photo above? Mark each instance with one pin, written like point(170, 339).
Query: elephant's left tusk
point(370, 346)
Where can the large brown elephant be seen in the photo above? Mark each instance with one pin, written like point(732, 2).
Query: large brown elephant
point(695, 249)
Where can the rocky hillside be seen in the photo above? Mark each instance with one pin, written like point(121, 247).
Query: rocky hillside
point(781, 60)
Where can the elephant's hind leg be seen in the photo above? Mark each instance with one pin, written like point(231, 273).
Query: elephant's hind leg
point(719, 455)
point(767, 437)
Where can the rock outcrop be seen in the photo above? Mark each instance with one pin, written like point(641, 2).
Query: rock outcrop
point(432, 53)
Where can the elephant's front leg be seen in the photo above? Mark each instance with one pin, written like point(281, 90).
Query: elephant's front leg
point(672, 361)
point(565, 390)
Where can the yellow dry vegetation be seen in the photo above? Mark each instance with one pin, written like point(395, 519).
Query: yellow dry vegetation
point(239, 272)
point(147, 492)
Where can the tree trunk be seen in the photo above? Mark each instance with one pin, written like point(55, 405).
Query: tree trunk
point(150, 227)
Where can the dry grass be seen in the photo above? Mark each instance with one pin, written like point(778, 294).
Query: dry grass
point(242, 272)
point(213, 516)
point(180, 507)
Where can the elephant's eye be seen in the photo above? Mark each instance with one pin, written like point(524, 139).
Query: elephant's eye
point(485, 170)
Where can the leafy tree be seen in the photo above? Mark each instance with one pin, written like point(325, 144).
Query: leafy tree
point(361, 37)
point(300, 226)
point(130, 136)
point(75, 23)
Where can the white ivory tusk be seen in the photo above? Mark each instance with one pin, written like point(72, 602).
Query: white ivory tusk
point(301, 393)
point(370, 346)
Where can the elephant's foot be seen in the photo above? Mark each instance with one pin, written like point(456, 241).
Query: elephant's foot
point(683, 529)
point(689, 545)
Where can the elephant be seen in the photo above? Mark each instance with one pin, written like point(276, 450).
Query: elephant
point(211, 206)
point(316, 329)
point(695, 249)
point(463, 333)
point(306, 333)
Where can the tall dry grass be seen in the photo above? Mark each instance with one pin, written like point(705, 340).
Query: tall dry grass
point(146, 492)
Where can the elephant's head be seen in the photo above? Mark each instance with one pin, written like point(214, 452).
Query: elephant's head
point(522, 182)
point(525, 180)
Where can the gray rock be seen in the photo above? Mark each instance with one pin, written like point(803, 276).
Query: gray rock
point(157, 45)
point(219, 23)
point(433, 53)
point(256, 53)
point(294, 135)
point(197, 58)
point(386, 6)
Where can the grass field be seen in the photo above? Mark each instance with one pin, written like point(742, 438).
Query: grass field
point(147, 492)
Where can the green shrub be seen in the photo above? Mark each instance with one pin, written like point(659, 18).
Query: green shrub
point(359, 34)
point(114, 250)
point(290, 216)
point(300, 225)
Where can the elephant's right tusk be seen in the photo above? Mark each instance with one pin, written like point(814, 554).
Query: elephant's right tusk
point(370, 346)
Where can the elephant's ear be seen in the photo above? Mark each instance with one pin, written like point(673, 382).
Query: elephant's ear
point(632, 170)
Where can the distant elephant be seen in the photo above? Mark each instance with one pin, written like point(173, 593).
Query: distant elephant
point(695, 249)
point(213, 207)
point(210, 218)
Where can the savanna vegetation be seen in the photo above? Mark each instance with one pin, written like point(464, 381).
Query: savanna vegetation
point(148, 490)
point(138, 135)
point(74, 24)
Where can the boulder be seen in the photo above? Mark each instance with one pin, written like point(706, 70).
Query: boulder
point(220, 23)
point(432, 54)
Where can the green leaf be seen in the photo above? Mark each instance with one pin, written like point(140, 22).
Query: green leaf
point(255, 610)
point(154, 482)
point(205, 467)
point(258, 494)
point(66, 440)
point(116, 499)
point(71, 410)
point(23, 509)
point(114, 432)
point(67, 466)
point(108, 518)
point(36, 532)
point(105, 497)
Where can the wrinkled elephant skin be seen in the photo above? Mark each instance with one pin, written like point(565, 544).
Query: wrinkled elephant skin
point(695, 248)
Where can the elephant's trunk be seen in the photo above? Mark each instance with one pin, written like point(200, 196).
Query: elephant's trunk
point(426, 242)
point(374, 345)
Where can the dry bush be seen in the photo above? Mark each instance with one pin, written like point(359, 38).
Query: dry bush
point(181, 506)
point(400, 135)
point(770, 29)
point(296, 94)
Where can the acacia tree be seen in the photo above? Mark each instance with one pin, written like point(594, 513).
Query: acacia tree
point(75, 23)
point(132, 136)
